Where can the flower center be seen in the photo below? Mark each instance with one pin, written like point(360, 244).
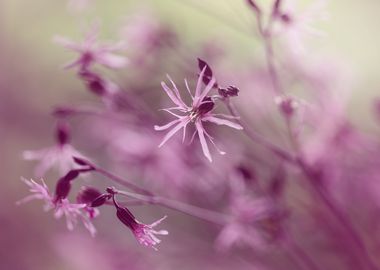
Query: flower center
point(206, 105)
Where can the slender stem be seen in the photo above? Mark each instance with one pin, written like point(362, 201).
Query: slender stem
point(269, 55)
point(308, 172)
point(150, 198)
point(191, 210)
point(339, 214)
point(119, 180)
point(259, 138)
point(325, 198)
point(298, 254)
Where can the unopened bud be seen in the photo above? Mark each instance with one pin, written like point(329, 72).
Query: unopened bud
point(230, 91)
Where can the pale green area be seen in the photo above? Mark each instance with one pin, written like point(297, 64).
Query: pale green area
point(352, 32)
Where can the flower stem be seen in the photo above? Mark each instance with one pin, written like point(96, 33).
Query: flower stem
point(146, 196)
point(201, 213)
point(282, 153)
point(298, 254)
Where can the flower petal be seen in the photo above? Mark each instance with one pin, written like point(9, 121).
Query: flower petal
point(111, 60)
point(168, 125)
point(202, 139)
point(182, 124)
point(220, 121)
point(173, 97)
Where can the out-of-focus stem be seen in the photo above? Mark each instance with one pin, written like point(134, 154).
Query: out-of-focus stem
point(269, 56)
point(340, 216)
point(201, 213)
point(120, 180)
point(297, 254)
point(283, 154)
point(146, 196)
point(325, 198)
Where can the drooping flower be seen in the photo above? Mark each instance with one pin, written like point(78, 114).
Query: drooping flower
point(91, 52)
point(200, 111)
point(62, 207)
point(145, 234)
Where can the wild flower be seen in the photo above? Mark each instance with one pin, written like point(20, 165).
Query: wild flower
point(144, 233)
point(59, 155)
point(91, 52)
point(295, 27)
point(201, 110)
point(61, 207)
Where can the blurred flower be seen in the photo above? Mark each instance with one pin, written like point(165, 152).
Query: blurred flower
point(91, 52)
point(200, 111)
point(146, 33)
point(60, 156)
point(254, 223)
point(62, 207)
point(296, 26)
point(286, 104)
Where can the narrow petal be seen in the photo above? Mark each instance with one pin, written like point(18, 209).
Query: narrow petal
point(175, 89)
point(182, 124)
point(202, 139)
point(158, 222)
point(188, 89)
point(111, 60)
point(73, 63)
point(220, 121)
point(205, 92)
point(172, 113)
point(199, 84)
point(173, 97)
point(67, 43)
point(168, 125)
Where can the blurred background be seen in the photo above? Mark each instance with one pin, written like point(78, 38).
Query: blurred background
point(32, 82)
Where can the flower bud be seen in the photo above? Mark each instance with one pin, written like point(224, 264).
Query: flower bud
point(62, 134)
point(287, 105)
point(87, 195)
point(230, 91)
point(62, 189)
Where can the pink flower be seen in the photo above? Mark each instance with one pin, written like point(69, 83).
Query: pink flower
point(200, 111)
point(146, 235)
point(91, 52)
point(254, 223)
point(296, 26)
point(72, 212)
point(60, 156)
point(39, 192)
